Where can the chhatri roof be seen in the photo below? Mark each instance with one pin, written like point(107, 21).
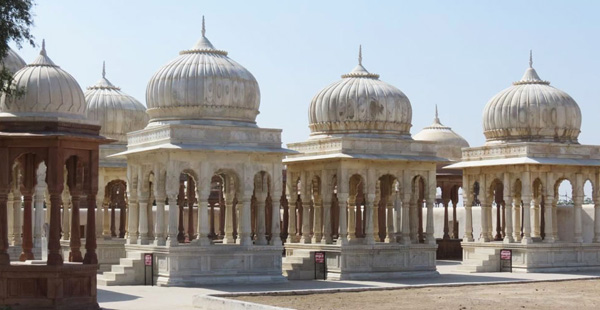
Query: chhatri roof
point(117, 112)
point(203, 85)
point(531, 111)
point(362, 105)
point(449, 142)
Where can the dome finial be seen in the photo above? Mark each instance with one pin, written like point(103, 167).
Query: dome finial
point(43, 51)
point(103, 69)
point(436, 120)
point(360, 54)
point(530, 58)
point(203, 27)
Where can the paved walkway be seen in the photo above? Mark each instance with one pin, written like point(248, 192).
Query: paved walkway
point(175, 298)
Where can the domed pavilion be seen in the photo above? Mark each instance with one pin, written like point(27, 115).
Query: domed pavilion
point(48, 156)
point(202, 138)
point(449, 145)
point(118, 113)
point(531, 131)
point(357, 187)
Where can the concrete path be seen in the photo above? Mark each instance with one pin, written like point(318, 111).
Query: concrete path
point(160, 298)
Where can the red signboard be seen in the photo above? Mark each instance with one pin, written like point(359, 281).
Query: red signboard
point(505, 254)
point(319, 257)
point(148, 259)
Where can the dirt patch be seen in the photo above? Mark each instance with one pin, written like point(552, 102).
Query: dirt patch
point(578, 295)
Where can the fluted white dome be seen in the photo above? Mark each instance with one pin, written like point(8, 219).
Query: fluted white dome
point(49, 92)
point(117, 112)
point(449, 143)
point(203, 84)
point(12, 62)
point(532, 110)
point(360, 104)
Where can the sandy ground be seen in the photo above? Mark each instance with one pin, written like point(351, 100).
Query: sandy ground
point(580, 294)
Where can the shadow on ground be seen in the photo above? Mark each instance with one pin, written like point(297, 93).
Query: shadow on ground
point(109, 296)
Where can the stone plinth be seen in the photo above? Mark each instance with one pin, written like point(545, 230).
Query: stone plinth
point(366, 262)
point(192, 265)
point(40, 287)
point(109, 252)
point(536, 257)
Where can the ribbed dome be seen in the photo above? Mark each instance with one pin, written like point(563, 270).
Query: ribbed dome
point(49, 92)
point(449, 142)
point(203, 84)
point(12, 62)
point(117, 112)
point(532, 110)
point(360, 104)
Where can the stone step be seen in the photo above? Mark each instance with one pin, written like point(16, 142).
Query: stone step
point(299, 274)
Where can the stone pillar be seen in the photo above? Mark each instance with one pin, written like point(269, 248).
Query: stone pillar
point(406, 231)
point(27, 253)
point(245, 219)
point(100, 220)
point(276, 213)
point(555, 219)
point(390, 234)
point(305, 218)
point(261, 228)
point(104, 205)
point(485, 221)
point(9, 218)
point(181, 206)
point(133, 219)
point(344, 202)
point(527, 206)
point(548, 229)
point(414, 220)
point(159, 231)
point(191, 199)
point(454, 217)
point(517, 218)
point(143, 222)
point(203, 192)
point(54, 248)
point(228, 238)
point(327, 232)
point(352, 210)
point(39, 215)
point(66, 215)
point(468, 205)
point(370, 208)
point(596, 219)
point(397, 217)
point(91, 257)
point(535, 218)
point(429, 225)
point(578, 203)
point(174, 220)
point(75, 242)
point(508, 211)
point(4, 257)
point(292, 199)
point(445, 202)
point(318, 219)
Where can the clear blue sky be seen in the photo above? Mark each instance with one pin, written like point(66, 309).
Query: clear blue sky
point(456, 54)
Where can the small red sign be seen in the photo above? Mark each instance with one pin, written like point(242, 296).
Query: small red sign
point(319, 257)
point(505, 254)
point(148, 259)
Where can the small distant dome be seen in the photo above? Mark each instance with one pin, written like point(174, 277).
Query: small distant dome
point(360, 104)
point(203, 84)
point(12, 62)
point(49, 92)
point(532, 110)
point(117, 112)
point(449, 142)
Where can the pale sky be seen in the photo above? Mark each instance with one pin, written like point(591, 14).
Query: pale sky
point(456, 54)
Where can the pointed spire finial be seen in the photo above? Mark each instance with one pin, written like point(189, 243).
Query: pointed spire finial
point(203, 27)
point(436, 119)
point(103, 69)
point(43, 51)
point(530, 58)
point(360, 54)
